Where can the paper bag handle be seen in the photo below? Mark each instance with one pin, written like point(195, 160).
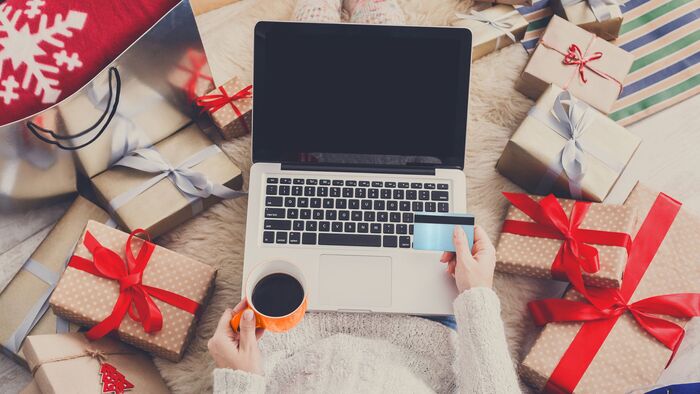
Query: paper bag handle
point(109, 112)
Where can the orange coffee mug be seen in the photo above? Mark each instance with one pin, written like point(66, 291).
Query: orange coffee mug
point(276, 293)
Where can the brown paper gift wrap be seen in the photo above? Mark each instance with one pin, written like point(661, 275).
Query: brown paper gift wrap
point(31, 388)
point(88, 299)
point(143, 118)
point(230, 107)
point(22, 300)
point(163, 206)
point(533, 256)
point(63, 364)
point(489, 26)
point(192, 75)
point(534, 148)
point(629, 357)
point(510, 2)
point(546, 65)
point(580, 13)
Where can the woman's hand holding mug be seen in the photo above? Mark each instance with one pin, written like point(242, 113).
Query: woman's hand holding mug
point(237, 350)
point(471, 268)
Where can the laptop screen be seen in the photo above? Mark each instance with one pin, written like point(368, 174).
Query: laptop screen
point(360, 95)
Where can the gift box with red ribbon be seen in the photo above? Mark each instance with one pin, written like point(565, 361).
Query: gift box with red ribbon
point(192, 75)
point(591, 68)
point(149, 296)
point(580, 242)
point(230, 107)
point(614, 340)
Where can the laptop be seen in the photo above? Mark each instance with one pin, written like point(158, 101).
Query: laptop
point(356, 128)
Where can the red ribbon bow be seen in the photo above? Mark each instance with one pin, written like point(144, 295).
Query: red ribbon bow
point(607, 305)
point(575, 57)
point(550, 221)
point(134, 298)
point(214, 102)
point(197, 62)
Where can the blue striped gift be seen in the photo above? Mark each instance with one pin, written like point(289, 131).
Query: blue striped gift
point(664, 37)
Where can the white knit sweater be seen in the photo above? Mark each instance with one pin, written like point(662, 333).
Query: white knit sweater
point(368, 353)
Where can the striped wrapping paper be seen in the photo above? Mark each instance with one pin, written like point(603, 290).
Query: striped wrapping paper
point(663, 35)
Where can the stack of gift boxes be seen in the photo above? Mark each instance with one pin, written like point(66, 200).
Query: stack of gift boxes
point(631, 291)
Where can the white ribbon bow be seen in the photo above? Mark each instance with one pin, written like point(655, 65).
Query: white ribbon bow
point(497, 23)
point(572, 125)
point(192, 184)
point(599, 7)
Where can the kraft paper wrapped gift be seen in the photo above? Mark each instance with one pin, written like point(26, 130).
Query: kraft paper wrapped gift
point(176, 285)
point(591, 68)
point(157, 199)
point(544, 153)
point(510, 2)
point(534, 255)
point(192, 75)
point(24, 302)
point(599, 17)
point(70, 363)
point(142, 118)
point(230, 107)
point(492, 28)
point(626, 355)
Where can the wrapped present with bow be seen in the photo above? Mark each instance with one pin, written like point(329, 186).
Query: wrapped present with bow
point(600, 17)
point(70, 363)
point(567, 148)
point(591, 68)
point(192, 75)
point(584, 243)
point(148, 295)
point(616, 340)
point(230, 107)
point(492, 28)
point(25, 300)
point(142, 118)
point(158, 188)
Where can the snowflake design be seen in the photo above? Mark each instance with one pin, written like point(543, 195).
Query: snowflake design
point(20, 46)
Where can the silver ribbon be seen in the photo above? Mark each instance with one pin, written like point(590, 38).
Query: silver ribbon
point(497, 23)
point(192, 184)
point(572, 125)
point(599, 7)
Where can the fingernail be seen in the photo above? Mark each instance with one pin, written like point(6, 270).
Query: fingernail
point(248, 314)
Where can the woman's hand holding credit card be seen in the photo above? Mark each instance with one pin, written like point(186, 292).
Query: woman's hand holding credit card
point(434, 231)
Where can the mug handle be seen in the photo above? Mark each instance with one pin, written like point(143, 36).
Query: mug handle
point(236, 320)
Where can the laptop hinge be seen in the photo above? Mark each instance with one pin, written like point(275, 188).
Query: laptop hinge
point(358, 168)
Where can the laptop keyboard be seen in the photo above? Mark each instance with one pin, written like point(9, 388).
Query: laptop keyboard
point(347, 212)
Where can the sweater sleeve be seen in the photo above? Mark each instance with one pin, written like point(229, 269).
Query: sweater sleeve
point(483, 363)
point(232, 381)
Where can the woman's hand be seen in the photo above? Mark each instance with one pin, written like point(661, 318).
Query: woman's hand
point(471, 268)
point(237, 350)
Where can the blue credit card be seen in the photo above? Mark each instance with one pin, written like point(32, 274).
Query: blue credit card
point(434, 231)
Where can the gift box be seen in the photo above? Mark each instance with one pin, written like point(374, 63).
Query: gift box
point(567, 148)
point(156, 310)
point(143, 117)
point(31, 388)
point(24, 302)
point(230, 107)
point(591, 68)
point(510, 2)
point(70, 363)
point(492, 28)
point(192, 75)
point(534, 241)
point(157, 189)
point(601, 18)
point(622, 339)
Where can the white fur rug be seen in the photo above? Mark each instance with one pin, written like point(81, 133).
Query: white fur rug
point(216, 237)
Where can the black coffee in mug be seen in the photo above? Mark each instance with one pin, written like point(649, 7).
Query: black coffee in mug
point(277, 295)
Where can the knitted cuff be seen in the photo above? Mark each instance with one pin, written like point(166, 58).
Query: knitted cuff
point(234, 381)
point(479, 302)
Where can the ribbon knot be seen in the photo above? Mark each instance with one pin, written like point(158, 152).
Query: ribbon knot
point(97, 354)
point(198, 62)
point(214, 102)
point(575, 57)
point(497, 23)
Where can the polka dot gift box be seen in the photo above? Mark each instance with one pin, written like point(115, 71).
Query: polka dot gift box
point(230, 107)
point(627, 338)
point(153, 305)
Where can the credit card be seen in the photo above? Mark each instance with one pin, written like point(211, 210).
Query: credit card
point(434, 231)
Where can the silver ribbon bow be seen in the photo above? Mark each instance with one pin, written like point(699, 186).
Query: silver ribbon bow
point(572, 125)
point(497, 23)
point(599, 7)
point(192, 184)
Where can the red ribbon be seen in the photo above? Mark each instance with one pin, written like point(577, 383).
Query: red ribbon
point(599, 321)
point(214, 102)
point(197, 62)
point(135, 298)
point(550, 221)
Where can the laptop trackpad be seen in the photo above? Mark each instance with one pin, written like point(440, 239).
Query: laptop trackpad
point(358, 282)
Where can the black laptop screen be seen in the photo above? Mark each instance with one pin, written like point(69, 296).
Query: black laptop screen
point(353, 94)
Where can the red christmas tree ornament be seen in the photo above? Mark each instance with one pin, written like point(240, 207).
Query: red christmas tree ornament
point(112, 380)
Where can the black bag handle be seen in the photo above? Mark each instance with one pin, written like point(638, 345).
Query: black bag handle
point(109, 112)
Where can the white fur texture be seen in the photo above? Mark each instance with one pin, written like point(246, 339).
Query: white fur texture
point(216, 237)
